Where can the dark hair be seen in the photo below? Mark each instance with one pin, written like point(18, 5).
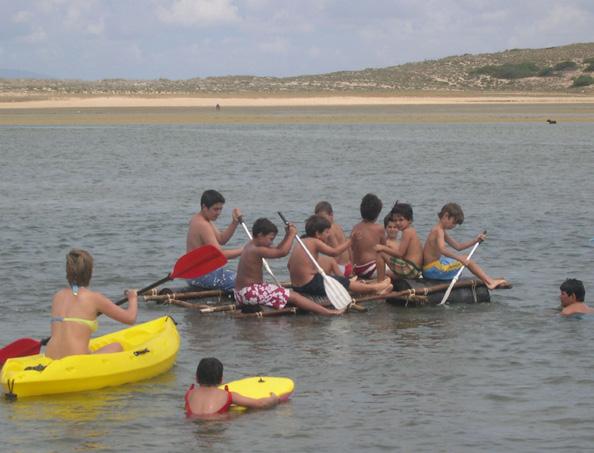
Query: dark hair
point(209, 372)
point(574, 286)
point(211, 197)
point(453, 210)
point(316, 224)
point(388, 219)
point(323, 206)
point(79, 267)
point(405, 210)
point(263, 226)
point(371, 206)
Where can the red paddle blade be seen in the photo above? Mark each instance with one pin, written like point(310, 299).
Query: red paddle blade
point(198, 262)
point(19, 348)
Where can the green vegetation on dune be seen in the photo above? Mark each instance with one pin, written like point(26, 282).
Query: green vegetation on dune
point(553, 69)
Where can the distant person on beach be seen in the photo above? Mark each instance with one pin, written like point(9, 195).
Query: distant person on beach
point(572, 298)
point(306, 279)
point(366, 235)
point(209, 400)
point(202, 231)
point(250, 288)
point(404, 258)
point(75, 310)
point(441, 263)
point(336, 238)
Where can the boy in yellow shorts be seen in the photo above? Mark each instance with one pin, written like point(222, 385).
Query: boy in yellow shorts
point(441, 262)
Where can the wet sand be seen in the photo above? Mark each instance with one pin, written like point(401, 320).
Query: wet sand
point(298, 110)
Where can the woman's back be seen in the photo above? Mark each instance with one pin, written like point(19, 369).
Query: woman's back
point(73, 321)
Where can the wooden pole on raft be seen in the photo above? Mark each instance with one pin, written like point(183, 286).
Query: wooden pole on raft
point(265, 314)
point(425, 290)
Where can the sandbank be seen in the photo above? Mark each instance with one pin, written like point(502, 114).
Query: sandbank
point(298, 101)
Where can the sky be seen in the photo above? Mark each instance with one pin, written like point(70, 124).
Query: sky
point(182, 39)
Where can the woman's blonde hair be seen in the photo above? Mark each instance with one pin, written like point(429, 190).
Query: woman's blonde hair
point(79, 267)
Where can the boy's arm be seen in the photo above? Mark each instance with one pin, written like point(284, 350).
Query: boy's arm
point(464, 245)
point(399, 251)
point(444, 250)
point(331, 251)
point(208, 236)
point(283, 248)
point(223, 237)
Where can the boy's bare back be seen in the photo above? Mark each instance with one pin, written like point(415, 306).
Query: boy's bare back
point(249, 269)
point(301, 269)
point(365, 236)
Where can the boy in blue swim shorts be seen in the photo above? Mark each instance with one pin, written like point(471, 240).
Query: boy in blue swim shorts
point(203, 231)
point(441, 262)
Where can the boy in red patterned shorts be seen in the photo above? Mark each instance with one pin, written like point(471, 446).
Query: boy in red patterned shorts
point(250, 288)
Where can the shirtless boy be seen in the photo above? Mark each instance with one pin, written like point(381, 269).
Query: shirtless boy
point(336, 238)
point(572, 298)
point(366, 235)
point(304, 275)
point(250, 288)
point(405, 257)
point(202, 231)
point(441, 263)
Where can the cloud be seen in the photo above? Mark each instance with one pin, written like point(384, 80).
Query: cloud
point(275, 46)
point(198, 12)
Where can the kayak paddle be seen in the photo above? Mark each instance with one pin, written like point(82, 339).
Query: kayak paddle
point(193, 264)
point(336, 293)
point(447, 293)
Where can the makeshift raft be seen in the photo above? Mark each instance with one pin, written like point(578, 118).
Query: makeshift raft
point(466, 291)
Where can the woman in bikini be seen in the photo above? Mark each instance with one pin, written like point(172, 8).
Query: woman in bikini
point(208, 399)
point(75, 310)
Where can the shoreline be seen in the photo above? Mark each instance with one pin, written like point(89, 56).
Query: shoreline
point(295, 101)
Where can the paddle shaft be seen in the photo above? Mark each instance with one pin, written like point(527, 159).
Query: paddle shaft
point(457, 276)
point(266, 266)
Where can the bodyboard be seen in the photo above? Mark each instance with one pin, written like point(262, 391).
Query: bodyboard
point(261, 387)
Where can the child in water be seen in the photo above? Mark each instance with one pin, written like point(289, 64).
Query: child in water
point(208, 399)
point(572, 298)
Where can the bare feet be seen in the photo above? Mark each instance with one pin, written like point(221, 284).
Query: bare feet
point(497, 282)
point(385, 286)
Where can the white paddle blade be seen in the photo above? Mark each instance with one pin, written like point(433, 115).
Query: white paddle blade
point(336, 293)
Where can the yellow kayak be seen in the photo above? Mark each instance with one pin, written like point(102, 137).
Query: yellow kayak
point(149, 350)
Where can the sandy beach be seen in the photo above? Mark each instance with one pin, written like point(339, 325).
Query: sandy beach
point(297, 101)
point(418, 108)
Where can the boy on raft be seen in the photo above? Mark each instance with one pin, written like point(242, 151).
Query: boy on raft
point(572, 298)
point(441, 263)
point(250, 288)
point(366, 235)
point(404, 258)
point(202, 231)
point(304, 276)
point(209, 400)
point(336, 238)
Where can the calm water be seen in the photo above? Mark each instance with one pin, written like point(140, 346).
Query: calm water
point(510, 375)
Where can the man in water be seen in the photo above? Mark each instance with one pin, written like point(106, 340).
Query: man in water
point(572, 298)
point(202, 231)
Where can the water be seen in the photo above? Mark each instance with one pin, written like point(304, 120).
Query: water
point(510, 375)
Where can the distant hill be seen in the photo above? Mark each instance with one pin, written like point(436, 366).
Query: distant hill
point(564, 69)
